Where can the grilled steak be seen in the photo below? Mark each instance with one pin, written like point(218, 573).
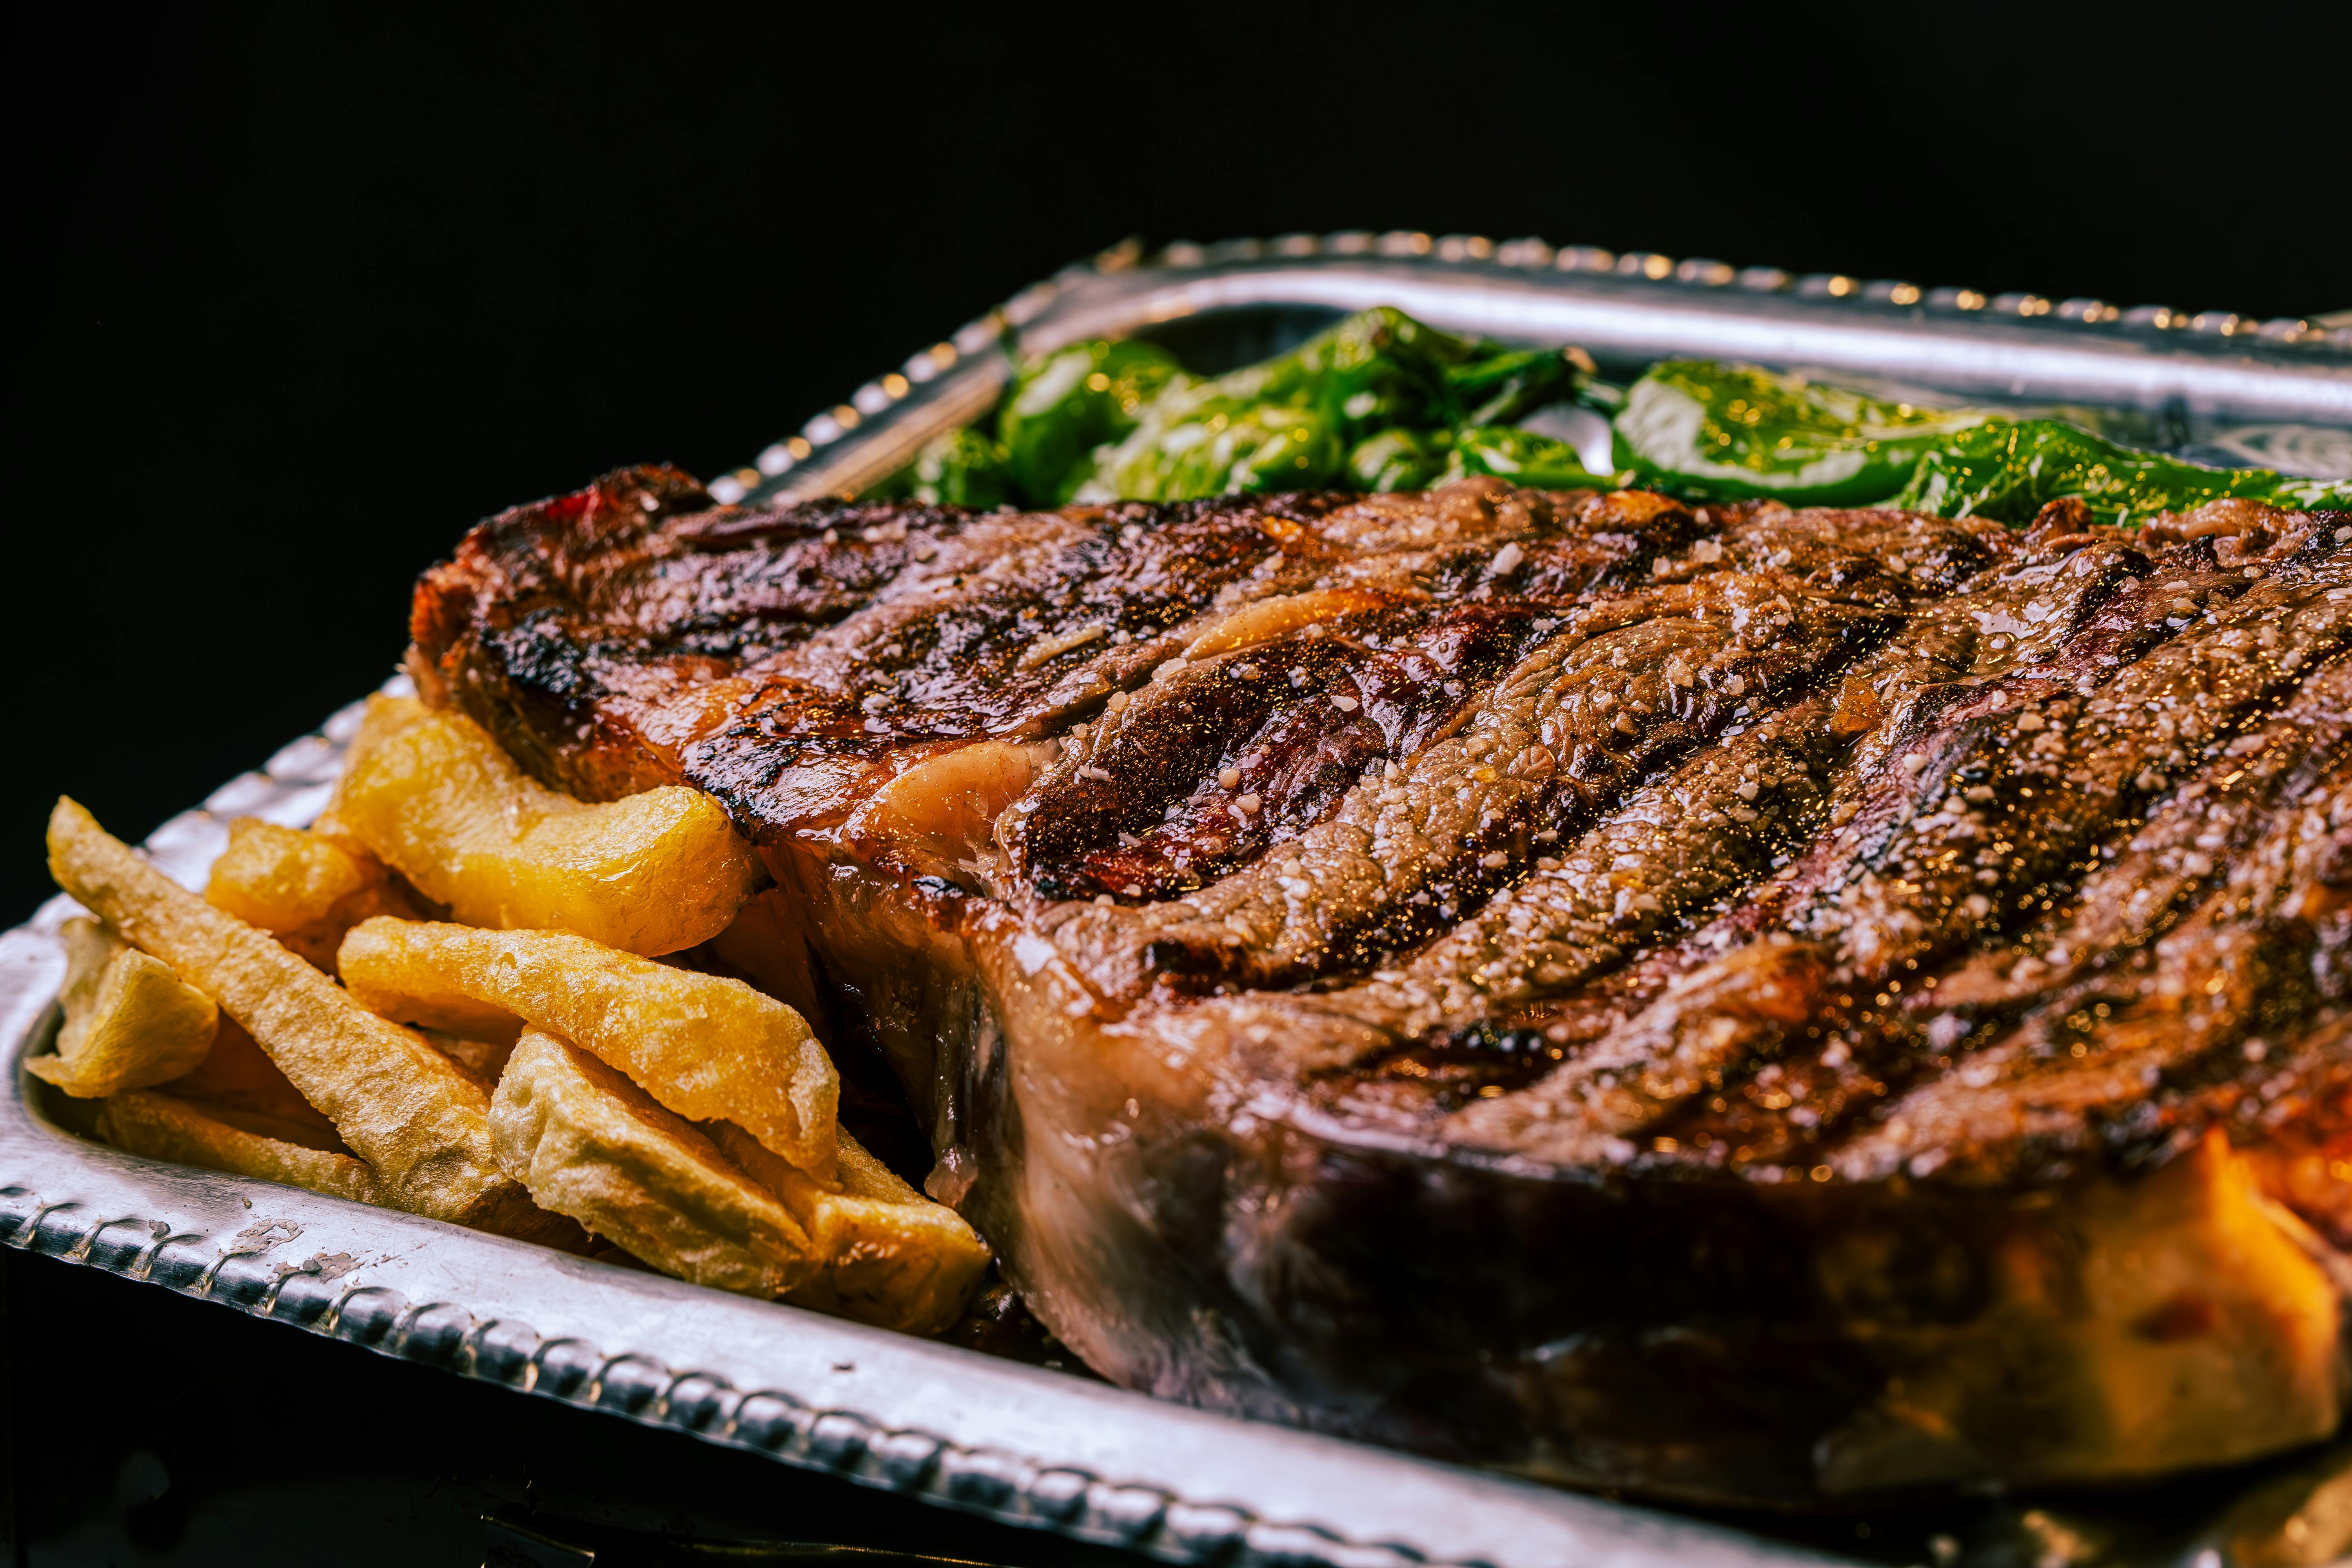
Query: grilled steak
point(1734, 1003)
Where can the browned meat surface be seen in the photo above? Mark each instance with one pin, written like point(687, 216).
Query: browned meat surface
point(1741, 1005)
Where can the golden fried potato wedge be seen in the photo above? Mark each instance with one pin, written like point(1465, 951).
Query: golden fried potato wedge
point(305, 888)
point(161, 1127)
point(435, 795)
point(706, 1047)
point(589, 1143)
point(417, 1118)
point(886, 1253)
point(131, 1022)
point(236, 1074)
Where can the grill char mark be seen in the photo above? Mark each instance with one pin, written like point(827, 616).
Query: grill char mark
point(1295, 722)
point(1629, 682)
point(1970, 824)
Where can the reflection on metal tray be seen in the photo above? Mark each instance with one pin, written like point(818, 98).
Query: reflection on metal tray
point(2215, 386)
point(1064, 1453)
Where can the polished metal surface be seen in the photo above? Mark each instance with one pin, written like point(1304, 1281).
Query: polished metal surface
point(964, 1430)
point(2211, 368)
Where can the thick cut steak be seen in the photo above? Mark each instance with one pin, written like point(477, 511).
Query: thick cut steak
point(1740, 1004)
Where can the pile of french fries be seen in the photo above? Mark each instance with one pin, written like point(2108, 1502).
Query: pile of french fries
point(448, 997)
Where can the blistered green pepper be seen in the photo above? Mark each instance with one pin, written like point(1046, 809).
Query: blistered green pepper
point(2008, 469)
point(1375, 370)
point(1730, 432)
point(1399, 459)
point(1213, 446)
point(1522, 456)
point(1499, 387)
point(962, 468)
point(1065, 405)
point(1379, 388)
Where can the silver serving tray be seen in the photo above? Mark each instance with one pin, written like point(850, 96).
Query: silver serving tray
point(1016, 1443)
point(2220, 385)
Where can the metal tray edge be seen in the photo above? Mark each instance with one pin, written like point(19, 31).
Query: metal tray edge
point(2074, 348)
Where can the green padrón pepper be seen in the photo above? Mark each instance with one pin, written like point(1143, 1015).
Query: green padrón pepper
point(962, 468)
point(1374, 401)
point(1065, 405)
point(2006, 470)
point(1708, 431)
point(1728, 432)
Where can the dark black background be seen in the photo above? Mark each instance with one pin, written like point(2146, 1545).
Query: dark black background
point(301, 293)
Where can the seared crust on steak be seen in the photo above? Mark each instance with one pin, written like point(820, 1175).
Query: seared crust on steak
point(1690, 1000)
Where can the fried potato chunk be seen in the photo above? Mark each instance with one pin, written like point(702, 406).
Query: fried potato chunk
point(886, 1253)
point(237, 1075)
point(589, 1143)
point(438, 799)
point(305, 888)
point(163, 1127)
point(413, 1115)
point(707, 1048)
point(131, 1022)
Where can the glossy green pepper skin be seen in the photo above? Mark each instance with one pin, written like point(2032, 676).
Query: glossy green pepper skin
point(2008, 469)
point(1218, 446)
point(1310, 417)
point(1500, 388)
point(962, 468)
point(1400, 460)
point(1381, 402)
point(1727, 432)
point(1522, 456)
point(1065, 405)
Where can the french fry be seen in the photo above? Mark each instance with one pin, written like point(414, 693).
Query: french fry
point(438, 800)
point(589, 1143)
point(305, 888)
point(417, 1118)
point(886, 1253)
point(131, 1022)
point(237, 1075)
point(706, 1047)
point(141, 1121)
